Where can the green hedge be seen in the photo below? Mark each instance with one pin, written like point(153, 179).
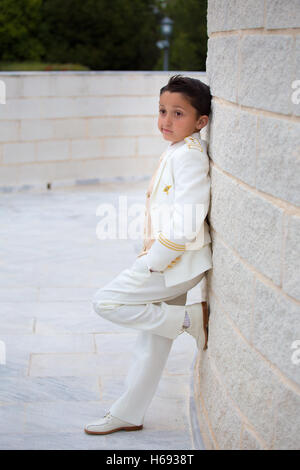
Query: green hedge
point(101, 34)
point(39, 66)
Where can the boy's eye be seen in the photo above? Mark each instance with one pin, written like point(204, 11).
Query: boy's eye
point(162, 111)
point(178, 113)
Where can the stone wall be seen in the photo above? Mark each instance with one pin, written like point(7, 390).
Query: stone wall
point(79, 127)
point(248, 381)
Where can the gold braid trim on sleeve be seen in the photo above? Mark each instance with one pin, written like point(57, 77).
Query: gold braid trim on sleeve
point(169, 244)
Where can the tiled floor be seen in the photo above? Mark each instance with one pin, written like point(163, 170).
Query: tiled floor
point(64, 364)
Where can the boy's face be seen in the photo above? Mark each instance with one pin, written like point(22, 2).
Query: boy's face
point(177, 117)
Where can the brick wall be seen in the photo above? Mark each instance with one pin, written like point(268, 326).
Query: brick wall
point(71, 127)
point(248, 381)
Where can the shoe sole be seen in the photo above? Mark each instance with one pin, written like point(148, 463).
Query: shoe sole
point(123, 428)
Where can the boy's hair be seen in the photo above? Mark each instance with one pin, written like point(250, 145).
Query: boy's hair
point(197, 92)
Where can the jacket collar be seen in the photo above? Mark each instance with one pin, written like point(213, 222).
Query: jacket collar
point(182, 142)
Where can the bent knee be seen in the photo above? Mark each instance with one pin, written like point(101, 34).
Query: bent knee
point(103, 308)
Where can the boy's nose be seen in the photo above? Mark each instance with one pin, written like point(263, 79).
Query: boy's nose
point(168, 120)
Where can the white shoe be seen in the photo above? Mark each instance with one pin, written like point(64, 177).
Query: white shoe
point(109, 424)
point(198, 324)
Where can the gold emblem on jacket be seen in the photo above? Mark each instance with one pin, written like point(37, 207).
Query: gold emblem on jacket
point(166, 188)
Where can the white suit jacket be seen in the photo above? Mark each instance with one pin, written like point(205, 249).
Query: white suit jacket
point(179, 204)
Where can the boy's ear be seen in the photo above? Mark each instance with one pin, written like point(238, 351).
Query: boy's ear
point(202, 121)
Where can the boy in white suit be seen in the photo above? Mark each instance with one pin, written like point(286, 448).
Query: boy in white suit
point(151, 295)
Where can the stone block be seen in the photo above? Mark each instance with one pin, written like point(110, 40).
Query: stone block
point(53, 150)
point(35, 173)
point(9, 131)
point(232, 144)
point(249, 224)
point(30, 108)
point(278, 165)
point(222, 67)
point(69, 128)
point(38, 85)
point(266, 71)
point(99, 106)
point(291, 266)
point(125, 106)
point(85, 148)
point(204, 426)
point(277, 317)
point(8, 176)
point(104, 127)
point(151, 146)
point(250, 441)
point(68, 170)
point(118, 147)
point(70, 84)
point(122, 126)
point(54, 107)
point(234, 15)
point(247, 378)
point(13, 85)
point(18, 152)
point(58, 85)
point(130, 83)
point(223, 418)
point(36, 129)
point(281, 14)
point(234, 284)
point(287, 428)
point(122, 84)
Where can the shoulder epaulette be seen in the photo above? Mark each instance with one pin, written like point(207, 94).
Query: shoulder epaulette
point(193, 143)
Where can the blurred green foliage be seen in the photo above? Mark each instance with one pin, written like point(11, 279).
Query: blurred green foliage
point(19, 28)
point(39, 66)
point(188, 48)
point(100, 34)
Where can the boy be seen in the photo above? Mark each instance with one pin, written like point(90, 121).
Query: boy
point(151, 295)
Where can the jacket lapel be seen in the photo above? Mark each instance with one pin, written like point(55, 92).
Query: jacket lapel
point(169, 151)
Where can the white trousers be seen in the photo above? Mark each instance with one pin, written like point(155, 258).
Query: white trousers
point(139, 299)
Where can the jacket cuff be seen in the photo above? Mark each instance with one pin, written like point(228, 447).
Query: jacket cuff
point(163, 252)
